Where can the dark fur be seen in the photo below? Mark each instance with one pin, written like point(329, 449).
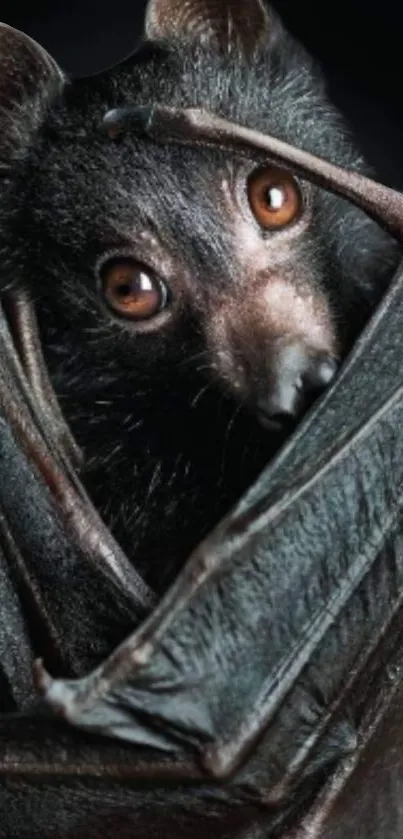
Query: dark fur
point(164, 457)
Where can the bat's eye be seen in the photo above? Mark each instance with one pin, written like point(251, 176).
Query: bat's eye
point(132, 290)
point(274, 197)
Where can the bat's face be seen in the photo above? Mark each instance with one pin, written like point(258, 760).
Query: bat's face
point(183, 292)
point(220, 253)
point(191, 257)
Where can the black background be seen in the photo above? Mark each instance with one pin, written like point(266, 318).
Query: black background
point(359, 45)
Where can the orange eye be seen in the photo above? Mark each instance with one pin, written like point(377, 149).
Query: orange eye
point(274, 197)
point(132, 290)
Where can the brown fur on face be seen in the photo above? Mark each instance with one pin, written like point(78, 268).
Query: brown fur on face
point(245, 331)
point(269, 298)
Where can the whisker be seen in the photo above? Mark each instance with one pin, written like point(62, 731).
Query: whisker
point(230, 427)
point(195, 357)
point(200, 393)
point(203, 367)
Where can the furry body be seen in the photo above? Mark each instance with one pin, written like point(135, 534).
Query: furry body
point(169, 446)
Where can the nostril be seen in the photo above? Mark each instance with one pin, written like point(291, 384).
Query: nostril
point(327, 371)
point(320, 372)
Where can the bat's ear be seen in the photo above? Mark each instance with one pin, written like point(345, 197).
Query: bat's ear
point(222, 23)
point(29, 80)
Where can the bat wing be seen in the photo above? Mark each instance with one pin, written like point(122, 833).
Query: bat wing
point(54, 545)
point(55, 550)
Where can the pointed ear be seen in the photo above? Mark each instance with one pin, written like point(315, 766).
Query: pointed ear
point(29, 80)
point(227, 23)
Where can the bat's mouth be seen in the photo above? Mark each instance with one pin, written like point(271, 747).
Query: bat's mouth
point(278, 423)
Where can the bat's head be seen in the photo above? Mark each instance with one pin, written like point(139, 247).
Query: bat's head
point(167, 253)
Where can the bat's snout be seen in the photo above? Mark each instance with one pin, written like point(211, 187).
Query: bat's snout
point(276, 349)
point(299, 376)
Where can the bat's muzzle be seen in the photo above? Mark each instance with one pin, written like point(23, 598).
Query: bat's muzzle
point(299, 378)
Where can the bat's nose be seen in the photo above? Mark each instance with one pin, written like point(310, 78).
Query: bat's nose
point(299, 377)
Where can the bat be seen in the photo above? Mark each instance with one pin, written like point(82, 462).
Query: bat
point(274, 657)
